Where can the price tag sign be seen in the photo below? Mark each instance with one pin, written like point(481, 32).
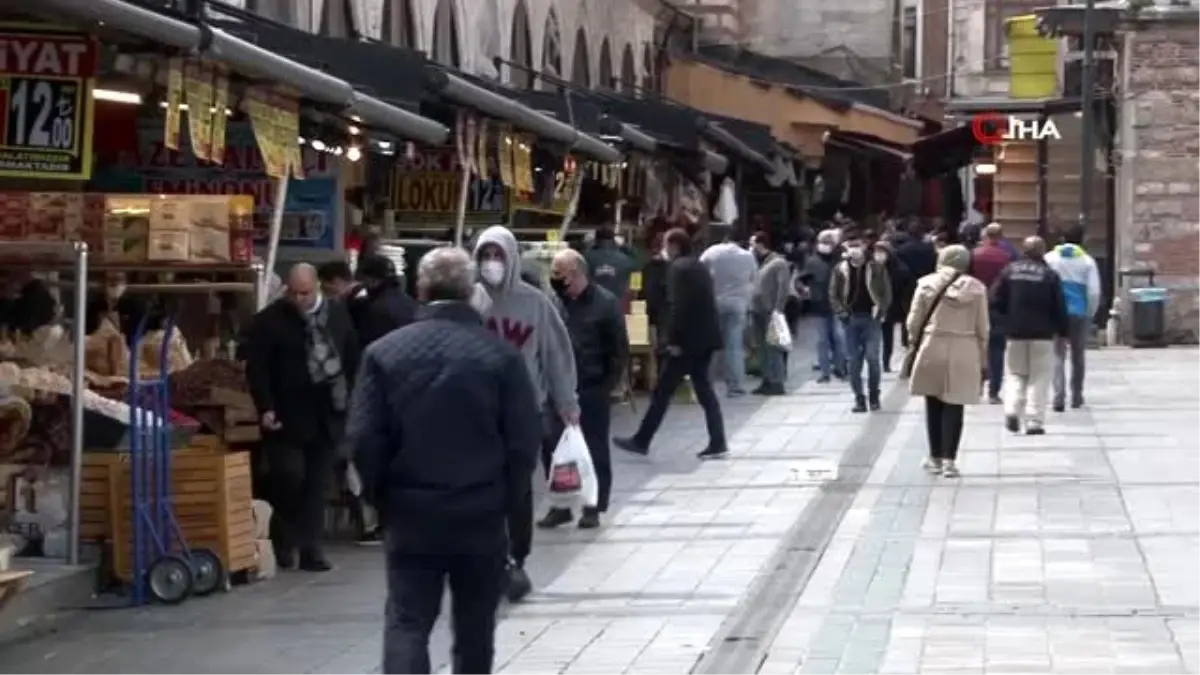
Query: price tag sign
point(46, 79)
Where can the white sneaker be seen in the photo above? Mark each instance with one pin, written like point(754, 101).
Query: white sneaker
point(949, 470)
point(932, 465)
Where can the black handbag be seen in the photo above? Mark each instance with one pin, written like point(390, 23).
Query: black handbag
point(914, 344)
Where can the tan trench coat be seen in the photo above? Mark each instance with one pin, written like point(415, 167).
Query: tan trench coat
point(953, 350)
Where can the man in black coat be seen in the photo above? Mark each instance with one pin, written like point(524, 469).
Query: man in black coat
point(596, 325)
point(301, 357)
point(445, 429)
point(693, 335)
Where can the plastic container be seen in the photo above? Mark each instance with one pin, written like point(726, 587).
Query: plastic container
point(1149, 320)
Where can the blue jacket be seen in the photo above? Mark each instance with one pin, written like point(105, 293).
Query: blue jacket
point(1080, 279)
point(445, 430)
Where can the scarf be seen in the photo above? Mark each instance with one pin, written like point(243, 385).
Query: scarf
point(324, 362)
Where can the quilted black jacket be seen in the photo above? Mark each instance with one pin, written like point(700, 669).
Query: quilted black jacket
point(445, 431)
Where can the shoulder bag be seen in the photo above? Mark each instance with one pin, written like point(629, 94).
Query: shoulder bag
point(915, 340)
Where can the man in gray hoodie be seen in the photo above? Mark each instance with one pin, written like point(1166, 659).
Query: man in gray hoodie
point(528, 319)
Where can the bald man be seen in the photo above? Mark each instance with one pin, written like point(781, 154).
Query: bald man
point(1028, 295)
point(597, 328)
point(301, 357)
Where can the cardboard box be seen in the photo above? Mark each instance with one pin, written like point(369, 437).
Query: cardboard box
point(208, 245)
point(168, 246)
point(124, 249)
point(209, 212)
point(169, 213)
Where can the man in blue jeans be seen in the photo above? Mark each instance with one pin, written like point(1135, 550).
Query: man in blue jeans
point(816, 277)
point(860, 293)
point(733, 270)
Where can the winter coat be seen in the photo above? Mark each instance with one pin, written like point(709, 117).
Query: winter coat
point(953, 350)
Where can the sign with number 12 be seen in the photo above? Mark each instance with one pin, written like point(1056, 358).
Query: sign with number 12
point(46, 77)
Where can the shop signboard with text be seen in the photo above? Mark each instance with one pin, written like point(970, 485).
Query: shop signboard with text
point(424, 189)
point(311, 218)
point(46, 78)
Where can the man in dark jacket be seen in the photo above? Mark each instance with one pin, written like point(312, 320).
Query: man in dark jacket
point(597, 327)
point(445, 430)
point(693, 335)
point(915, 252)
point(988, 260)
point(301, 358)
point(816, 276)
point(1028, 294)
point(380, 306)
point(609, 264)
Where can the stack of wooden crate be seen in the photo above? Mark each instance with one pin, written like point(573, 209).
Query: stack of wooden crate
point(211, 495)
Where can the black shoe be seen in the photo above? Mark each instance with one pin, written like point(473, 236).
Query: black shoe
point(630, 444)
point(713, 452)
point(1012, 423)
point(873, 403)
point(994, 399)
point(590, 519)
point(1035, 431)
point(372, 537)
point(1059, 406)
point(519, 586)
point(313, 562)
point(824, 379)
point(285, 557)
point(554, 518)
point(1077, 402)
point(839, 374)
point(860, 405)
point(770, 390)
point(760, 390)
point(887, 368)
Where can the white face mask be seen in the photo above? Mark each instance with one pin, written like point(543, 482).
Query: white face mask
point(855, 253)
point(665, 255)
point(825, 248)
point(492, 272)
point(881, 258)
point(619, 240)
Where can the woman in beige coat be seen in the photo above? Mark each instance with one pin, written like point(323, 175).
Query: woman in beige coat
point(951, 356)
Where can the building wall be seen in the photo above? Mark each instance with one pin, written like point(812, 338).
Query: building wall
point(1158, 217)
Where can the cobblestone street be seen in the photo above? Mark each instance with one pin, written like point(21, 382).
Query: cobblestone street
point(820, 546)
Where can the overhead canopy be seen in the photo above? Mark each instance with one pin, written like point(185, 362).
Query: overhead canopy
point(251, 60)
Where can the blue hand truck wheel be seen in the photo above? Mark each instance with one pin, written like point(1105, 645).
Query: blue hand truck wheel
point(208, 574)
point(170, 579)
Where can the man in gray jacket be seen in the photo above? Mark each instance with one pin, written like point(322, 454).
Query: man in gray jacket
point(733, 271)
point(771, 288)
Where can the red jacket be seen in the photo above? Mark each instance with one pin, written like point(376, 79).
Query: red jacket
point(988, 261)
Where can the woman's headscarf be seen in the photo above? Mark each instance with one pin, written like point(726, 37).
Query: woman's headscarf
point(955, 256)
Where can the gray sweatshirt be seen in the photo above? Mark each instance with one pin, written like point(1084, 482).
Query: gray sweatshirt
point(733, 269)
point(773, 285)
point(526, 318)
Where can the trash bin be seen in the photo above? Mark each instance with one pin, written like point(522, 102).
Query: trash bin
point(1149, 314)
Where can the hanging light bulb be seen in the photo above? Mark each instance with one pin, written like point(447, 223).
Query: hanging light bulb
point(354, 154)
point(338, 151)
point(318, 145)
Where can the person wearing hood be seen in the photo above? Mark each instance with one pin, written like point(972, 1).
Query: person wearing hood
point(527, 318)
point(816, 276)
point(949, 326)
point(1081, 290)
point(861, 293)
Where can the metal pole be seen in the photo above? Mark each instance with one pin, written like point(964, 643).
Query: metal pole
point(281, 190)
point(460, 218)
point(77, 391)
point(1087, 153)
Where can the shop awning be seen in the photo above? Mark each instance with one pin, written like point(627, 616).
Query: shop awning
point(252, 60)
point(944, 151)
point(858, 143)
point(655, 127)
point(460, 90)
point(750, 142)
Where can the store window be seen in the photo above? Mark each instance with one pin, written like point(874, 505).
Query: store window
point(521, 49)
point(581, 67)
point(445, 35)
point(908, 42)
point(552, 51)
point(398, 24)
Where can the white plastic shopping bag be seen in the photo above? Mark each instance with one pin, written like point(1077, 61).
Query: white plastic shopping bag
point(778, 333)
point(572, 477)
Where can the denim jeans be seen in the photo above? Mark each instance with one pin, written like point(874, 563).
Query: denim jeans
point(770, 359)
point(831, 346)
point(733, 337)
point(863, 338)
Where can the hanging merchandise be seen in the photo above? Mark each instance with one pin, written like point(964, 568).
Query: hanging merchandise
point(219, 116)
point(524, 164)
point(470, 147)
point(481, 149)
point(276, 122)
point(504, 156)
point(171, 119)
point(460, 137)
point(197, 89)
point(726, 209)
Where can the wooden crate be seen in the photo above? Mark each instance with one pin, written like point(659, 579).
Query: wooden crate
point(211, 495)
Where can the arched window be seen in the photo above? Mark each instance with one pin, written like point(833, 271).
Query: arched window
point(552, 51)
point(628, 71)
point(648, 69)
point(336, 20)
point(581, 67)
point(521, 49)
point(398, 24)
point(445, 35)
point(606, 67)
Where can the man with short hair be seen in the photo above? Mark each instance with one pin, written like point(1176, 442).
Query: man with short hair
point(1028, 295)
point(444, 426)
point(596, 325)
point(988, 260)
point(527, 318)
point(693, 335)
point(860, 292)
point(772, 285)
point(1081, 290)
point(733, 271)
point(301, 358)
point(609, 264)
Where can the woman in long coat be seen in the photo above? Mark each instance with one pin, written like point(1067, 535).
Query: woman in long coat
point(951, 359)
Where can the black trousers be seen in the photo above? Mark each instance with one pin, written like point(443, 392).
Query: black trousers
point(675, 368)
point(595, 420)
point(943, 426)
point(415, 586)
point(889, 339)
point(300, 475)
point(520, 517)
